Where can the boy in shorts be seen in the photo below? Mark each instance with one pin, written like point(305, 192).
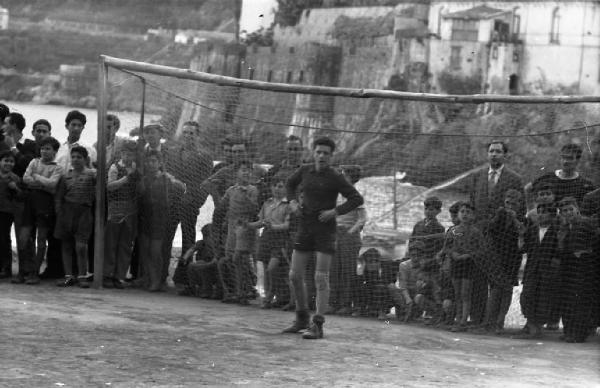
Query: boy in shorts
point(321, 186)
point(239, 207)
point(74, 199)
point(41, 178)
point(465, 250)
point(274, 218)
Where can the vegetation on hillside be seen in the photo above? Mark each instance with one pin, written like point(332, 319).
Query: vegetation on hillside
point(346, 28)
point(129, 15)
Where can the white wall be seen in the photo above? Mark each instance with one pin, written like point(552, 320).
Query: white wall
point(574, 61)
point(251, 19)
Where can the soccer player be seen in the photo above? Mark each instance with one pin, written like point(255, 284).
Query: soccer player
point(317, 230)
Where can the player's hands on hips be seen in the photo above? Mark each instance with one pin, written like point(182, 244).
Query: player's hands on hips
point(327, 215)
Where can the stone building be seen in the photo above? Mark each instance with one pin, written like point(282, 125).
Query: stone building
point(553, 45)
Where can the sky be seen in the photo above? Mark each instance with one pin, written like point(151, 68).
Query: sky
point(256, 13)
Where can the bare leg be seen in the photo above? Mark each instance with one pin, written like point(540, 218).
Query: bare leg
point(322, 281)
point(81, 248)
point(270, 272)
point(466, 300)
point(42, 237)
point(456, 283)
point(297, 270)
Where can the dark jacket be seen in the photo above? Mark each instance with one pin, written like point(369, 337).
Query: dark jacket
point(485, 205)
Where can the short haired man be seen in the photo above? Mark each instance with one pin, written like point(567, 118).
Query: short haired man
point(487, 192)
point(188, 163)
point(317, 230)
point(75, 124)
point(567, 181)
point(113, 144)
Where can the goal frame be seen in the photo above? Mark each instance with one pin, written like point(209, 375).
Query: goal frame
point(106, 62)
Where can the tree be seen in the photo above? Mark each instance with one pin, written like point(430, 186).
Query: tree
point(289, 11)
point(260, 37)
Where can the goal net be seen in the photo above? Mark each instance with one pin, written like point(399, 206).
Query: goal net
point(476, 206)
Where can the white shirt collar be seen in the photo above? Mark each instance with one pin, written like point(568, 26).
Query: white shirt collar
point(159, 148)
point(559, 175)
point(497, 170)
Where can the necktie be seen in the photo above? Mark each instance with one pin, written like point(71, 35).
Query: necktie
point(491, 182)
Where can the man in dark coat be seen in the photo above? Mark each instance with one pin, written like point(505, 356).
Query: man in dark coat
point(488, 188)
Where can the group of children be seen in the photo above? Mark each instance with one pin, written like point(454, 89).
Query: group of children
point(48, 199)
point(561, 278)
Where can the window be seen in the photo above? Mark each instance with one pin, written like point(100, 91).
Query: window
point(269, 75)
point(516, 27)
point(554, 28)
point(494, 51)
point(289, 77)
point(455, 59)
point(251, 73)
point(465, 30)
point(301, 76)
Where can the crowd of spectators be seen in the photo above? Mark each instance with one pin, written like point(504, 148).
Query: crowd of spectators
point(460, 278)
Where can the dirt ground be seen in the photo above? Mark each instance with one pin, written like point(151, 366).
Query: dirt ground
point(130, 338)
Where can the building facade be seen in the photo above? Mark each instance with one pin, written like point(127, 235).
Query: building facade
point(534, 47)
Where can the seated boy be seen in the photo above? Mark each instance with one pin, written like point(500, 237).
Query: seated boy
point(194, 275)
point(74, 199)
point(413, 287)
point(41, 178)
point(374, 297)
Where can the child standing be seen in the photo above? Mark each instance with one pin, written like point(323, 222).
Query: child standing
point(9, 189)
point(274, 217)
point(543, 193)
point(465, 249)
point(578, 272)
point(122, 194)
point(239, 207)
point(348, 243)
point(541, 277)
point(445, 262)
point(74, 199)
point(41, 178)
point(154, 214)
point(505, 229)
point(431, 233)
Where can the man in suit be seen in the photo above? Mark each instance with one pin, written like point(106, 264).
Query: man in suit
point(488, 188)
